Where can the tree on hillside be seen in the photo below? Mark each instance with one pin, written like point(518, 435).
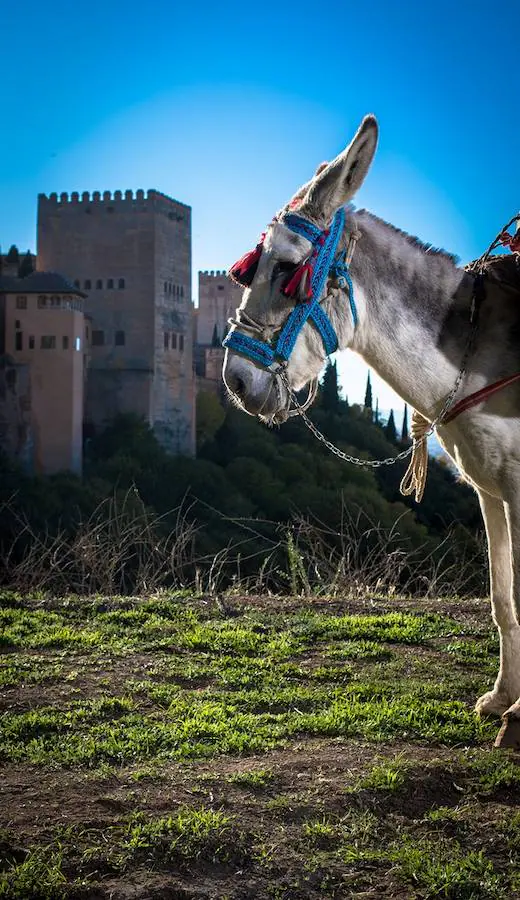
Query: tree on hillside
point(329, 388)
point(368, 393)
point(390, 429)
point(210, 416)
point(26, 266)
point(13, 256)
point(404, 430)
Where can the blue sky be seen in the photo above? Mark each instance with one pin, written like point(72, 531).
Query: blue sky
point(229, 107)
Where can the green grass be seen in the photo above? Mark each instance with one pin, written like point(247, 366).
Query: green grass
point(371, 776)
point(38, 877)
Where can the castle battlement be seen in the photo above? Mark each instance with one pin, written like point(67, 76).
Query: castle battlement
point(127, 201)
point(212, 273)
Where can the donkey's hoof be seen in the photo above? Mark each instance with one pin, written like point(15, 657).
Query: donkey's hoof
point(509, 734)
point(492, 703)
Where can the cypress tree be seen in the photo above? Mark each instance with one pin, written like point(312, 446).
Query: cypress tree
point(215, 341)
point(13, 256)
point(390, 429)
point(368, 393)
point(404, 430)
point(376, 413)
point(329, 388)
point(26, 265)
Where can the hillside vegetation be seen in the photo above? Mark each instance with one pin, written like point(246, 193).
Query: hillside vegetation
point(271, 509)
point(282, 749)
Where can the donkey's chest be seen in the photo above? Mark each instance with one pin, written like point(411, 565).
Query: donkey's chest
point(486, 450)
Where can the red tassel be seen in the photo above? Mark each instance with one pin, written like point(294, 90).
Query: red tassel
point(300, 282)
point(515, 243)
point(244, 270)
point(511, 240)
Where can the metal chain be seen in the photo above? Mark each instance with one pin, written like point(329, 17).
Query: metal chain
point(389, 460)
point(370, 463)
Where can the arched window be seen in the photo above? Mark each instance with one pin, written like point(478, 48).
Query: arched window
point(110, 284)
point(99, 284)
point(88, 284)
point(121, 283)
point(119, 339)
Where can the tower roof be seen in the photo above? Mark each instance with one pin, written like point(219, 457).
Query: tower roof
point(39, 283)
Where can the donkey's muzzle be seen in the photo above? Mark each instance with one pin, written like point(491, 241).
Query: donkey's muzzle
point(255, 389)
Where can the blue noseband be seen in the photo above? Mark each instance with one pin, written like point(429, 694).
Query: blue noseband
point(325, 263)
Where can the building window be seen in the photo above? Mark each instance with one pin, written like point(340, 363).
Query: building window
point(181, 342)
point(119, 339)
point(98, 338)
point(174, 341)
point(17, 323)
point(76, 283)
point(167, 340)
point(65, 342)
point(99, 284)
point(165, 287)
point(182, 291)
point(220, 287)
point(18, 340)
point(55, 301)
point(42, 301)
point(86, 332)
point(121, 283)
point(110, 284)
point(21, 302)
point(48, 342)
point(77, 343)
point(31, 342)
point(88, 284)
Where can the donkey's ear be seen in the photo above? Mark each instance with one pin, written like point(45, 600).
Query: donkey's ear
point(337, 183)
point(297, 200)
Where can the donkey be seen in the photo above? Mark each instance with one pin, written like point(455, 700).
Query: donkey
point(405, 308)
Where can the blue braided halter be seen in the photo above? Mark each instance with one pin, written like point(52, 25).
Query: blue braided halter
point(325, 243)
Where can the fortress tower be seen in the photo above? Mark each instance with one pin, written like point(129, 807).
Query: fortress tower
point(219, 297)
point(131, 256)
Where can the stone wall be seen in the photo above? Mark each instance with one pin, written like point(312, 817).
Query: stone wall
point(132, 255)
point(16, 439)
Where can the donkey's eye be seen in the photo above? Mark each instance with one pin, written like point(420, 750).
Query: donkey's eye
point(283, 267)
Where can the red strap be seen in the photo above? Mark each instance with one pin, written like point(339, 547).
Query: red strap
point(478, 397)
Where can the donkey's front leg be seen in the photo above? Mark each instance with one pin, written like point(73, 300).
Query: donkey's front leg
point(509, 734)
point(507, 685)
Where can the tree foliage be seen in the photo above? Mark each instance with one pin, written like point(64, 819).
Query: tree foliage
point(26, 266)
point(248, 473)
point(368, 393)
point(390, 429)
point(329, 388)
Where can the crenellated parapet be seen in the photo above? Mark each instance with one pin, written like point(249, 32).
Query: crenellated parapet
point(212, 273)
point(123, 201)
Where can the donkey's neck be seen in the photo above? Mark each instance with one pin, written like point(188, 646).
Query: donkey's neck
point(413, 312)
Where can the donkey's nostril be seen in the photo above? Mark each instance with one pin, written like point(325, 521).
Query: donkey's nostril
point(235, 383)
point(239, 386)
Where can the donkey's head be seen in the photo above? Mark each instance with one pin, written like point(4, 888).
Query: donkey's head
point(282, 322)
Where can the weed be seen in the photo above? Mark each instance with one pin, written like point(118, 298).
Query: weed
point(254, 778)
point(387, 776)
point(39, 877)
point(190, 835)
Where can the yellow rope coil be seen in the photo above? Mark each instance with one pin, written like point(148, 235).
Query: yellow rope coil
point(415, 475)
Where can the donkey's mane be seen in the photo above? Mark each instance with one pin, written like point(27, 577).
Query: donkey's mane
point(412, 240)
